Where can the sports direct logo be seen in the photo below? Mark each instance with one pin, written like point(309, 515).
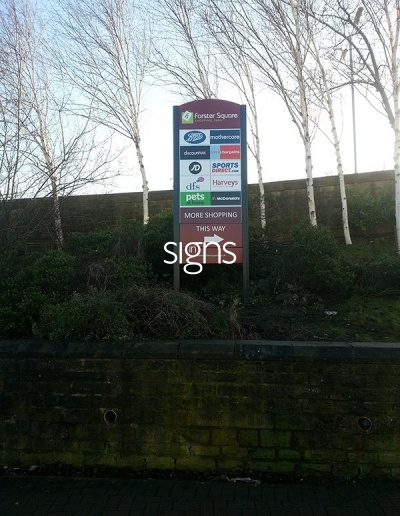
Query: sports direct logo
point(194, 250)
point(225, 167)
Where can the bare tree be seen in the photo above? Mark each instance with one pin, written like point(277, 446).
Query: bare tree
point(15, 179)
point(372, 29)
point(239, 73)
point(47, 152)
point(324, 89)
point(320, 79)
point(196, 64)
point(185, 57)
point(108, 49)
point(276, 44)
point(13, 109)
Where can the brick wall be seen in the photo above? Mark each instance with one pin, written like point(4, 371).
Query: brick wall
point(284, 199)
point(245, 406)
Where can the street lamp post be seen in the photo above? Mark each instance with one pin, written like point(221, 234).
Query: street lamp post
point(353, 105)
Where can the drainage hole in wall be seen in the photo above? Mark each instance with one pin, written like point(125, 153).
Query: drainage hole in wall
point(110, 416)
point(364, 424)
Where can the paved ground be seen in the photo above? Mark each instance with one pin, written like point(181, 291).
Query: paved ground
point(44, 496)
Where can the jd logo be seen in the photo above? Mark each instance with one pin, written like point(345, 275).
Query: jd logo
point(195, 168)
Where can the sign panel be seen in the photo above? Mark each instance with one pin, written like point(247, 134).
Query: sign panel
point(207, 216)
point(228, 256)
point(218, 233)
point(209, 179)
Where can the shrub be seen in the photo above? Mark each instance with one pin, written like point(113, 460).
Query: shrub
point(92, 316)
point(138, 312)
point(378, 276)
point(218, 284)
point(109, 259)
point(312, 260)
point(112, 274)
point(93, 246)
point(366, 210)
point(48, 280)
point(156, 234)
point(266, 259)
point(130, 238)
point(163, 313)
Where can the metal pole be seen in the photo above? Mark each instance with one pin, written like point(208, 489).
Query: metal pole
point(245, 216)
point(353, 107)
point(176, 194)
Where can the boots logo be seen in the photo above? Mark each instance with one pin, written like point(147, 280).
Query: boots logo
point(194, 137)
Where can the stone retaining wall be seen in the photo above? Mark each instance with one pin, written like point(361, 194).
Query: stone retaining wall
point(204, 406)
point(32, 221)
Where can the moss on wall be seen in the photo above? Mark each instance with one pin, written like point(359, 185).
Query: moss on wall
point(293, 408)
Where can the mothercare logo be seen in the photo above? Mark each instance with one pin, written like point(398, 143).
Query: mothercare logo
point(227, 136)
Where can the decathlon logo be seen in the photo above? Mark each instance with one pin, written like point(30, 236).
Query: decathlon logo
point(194, 137)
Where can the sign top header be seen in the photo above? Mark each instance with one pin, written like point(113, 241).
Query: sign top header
point(209, 114)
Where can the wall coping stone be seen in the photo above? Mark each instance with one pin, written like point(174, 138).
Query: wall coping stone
point(199, 349)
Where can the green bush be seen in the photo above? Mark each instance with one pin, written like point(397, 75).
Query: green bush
point(138, 312)
point(376, 277)
point(49, 279)
point(162, 313)
point(312, 260)
point(93, 246)
point(109, 259)
point(92, 316)
point(218, 284)
point(266, 257)
point(366, 210)
point(130, 241)
point(156, 234)
point(112, 274)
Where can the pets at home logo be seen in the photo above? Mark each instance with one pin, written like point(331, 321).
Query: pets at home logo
point(187, 117)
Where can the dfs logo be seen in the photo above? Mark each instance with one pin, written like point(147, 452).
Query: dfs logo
point(195, 185)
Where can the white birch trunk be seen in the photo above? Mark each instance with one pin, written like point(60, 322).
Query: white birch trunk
point(57, 214)
point(396, 159)
point(257, 154)
point(342, 186)
point(145, 186)
point(310, 183)
point(45, 147)
point(262, 193)
point(327, 97)
point(305, 118)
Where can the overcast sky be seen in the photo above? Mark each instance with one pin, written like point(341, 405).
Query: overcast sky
point(281, 147)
